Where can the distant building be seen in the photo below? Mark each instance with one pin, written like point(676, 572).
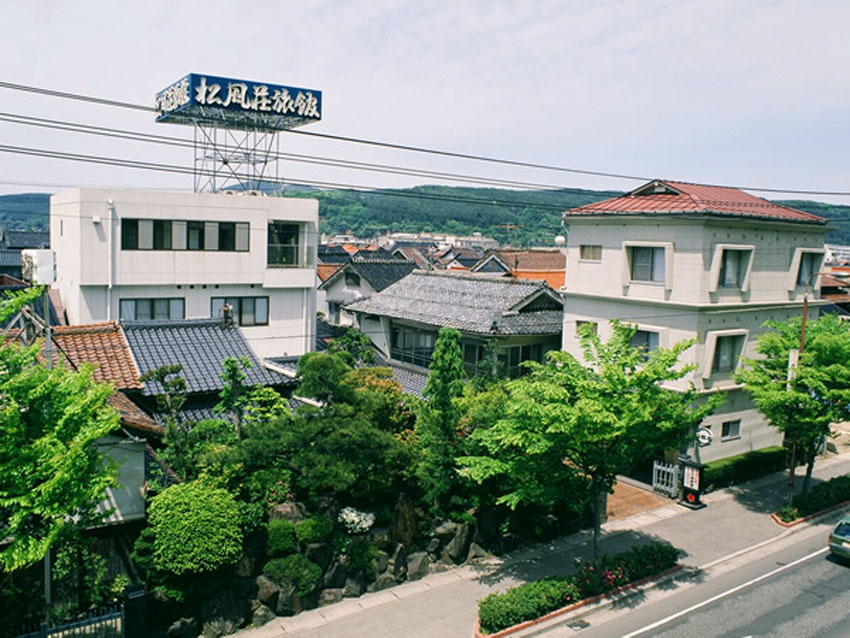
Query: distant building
point(544, 264)
point(145, 255)
point(685, 261)
point(357, 279)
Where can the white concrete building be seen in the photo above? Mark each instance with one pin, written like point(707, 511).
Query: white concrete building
point(135, 255)
point(683, 261)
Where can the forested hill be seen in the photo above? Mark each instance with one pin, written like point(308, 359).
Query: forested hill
point(517, 217)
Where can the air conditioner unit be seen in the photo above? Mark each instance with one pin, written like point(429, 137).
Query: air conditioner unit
point(39, 266)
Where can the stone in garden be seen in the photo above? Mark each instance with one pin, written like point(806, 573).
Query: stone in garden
point(336, 574)
point(445, 531)
point(261, 616)
point(459, 546)
point(330, 596)
point(354, 586)
point(404, 521)
point(381, 562)
point(319, 553)
point(384, 581)
point(288, 601)
point(267, 591)
point(398, 563)
point(379, 537)
point(289, 511)
point(433, 546)
point(418, 565)
point(476, 551)
point(184, 628)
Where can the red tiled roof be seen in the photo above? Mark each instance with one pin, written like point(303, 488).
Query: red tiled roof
point(104, 345)
point(132, 416)
point(533, 259)
point(324, 271)
point(664, 197)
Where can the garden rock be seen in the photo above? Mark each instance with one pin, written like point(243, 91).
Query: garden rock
point(330, 596)
point(384, 581)
point(336, 575)
point(225, 611)
point(245, 567)
point(381, 562)
point(476, 551)
point(184, 628)
point(458, 548)
point(397, 565)
point(261, 615)
point(319, 553)
point(289, 511)
point(379, 537)
point(433, 546)
point(446, 531)
point(418, 565)
point(354, 586)
point(267, 591)
point(404, 521)
point(288, 601)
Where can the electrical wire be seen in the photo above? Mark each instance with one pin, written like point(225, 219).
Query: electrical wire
point(417, 149)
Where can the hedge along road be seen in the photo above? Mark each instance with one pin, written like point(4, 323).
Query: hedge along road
point(445, 605)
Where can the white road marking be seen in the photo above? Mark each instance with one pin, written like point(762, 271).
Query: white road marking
point(679, 614)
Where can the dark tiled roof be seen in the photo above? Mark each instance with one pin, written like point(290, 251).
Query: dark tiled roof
point(199, 345)
point(470, 303)
point(381, 273)
point(663, 197)
point(290, 364)
point(26, 239)
point(333, 254)
point(10, 258)
point(412, 381)
point(325, 333)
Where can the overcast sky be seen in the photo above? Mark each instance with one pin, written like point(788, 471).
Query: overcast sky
point(751, 92)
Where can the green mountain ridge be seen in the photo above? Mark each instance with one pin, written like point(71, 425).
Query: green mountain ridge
point(521, 218)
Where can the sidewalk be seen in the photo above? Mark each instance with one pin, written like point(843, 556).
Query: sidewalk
point(443, 605)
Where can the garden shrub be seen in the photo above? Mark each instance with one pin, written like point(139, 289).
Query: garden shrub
point(362, 556)
point(195, 529)
point(823, 496)
point(282, 539)
point(743, 467)
point(315, 529)
point(303, 573)
point(536, 599)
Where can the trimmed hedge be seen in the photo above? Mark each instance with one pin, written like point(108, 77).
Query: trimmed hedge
point(743, 467)
point(315, 529)
point(282, 539)
point(536, 599)
point(822, 496)
point(297, 569)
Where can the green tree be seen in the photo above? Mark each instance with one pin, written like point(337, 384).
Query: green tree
point(436, 428)
point(194, 528)
point(816, 394)
point(170, 401)
point(234, 394)
point(588, 420)
point(321, 375)
point(52, 475)
point(13, 300)
point(355, 343)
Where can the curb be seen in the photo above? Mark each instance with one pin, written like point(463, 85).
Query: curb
point(607, 597)
point(797, 521)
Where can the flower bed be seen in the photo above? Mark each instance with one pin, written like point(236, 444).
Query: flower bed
point(822, 496)
point(533, 600)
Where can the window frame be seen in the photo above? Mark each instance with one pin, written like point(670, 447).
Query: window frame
point(628, 259)
point(239, 312)
point(297, 247)
point(349, 279)
point(591, 248)
point(152, 300)
point(732, 436)
point(718, 263)
point(711, 343)
point(796, 265)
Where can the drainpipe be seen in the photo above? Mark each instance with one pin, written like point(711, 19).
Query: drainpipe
point(109, 249)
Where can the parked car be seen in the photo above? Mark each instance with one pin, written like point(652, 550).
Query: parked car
point(839, 539)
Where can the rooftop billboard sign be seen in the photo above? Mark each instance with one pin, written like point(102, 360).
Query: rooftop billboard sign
point(237, 104)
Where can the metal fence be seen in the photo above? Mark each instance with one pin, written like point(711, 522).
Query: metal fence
point(107, 622)
point(665, 478)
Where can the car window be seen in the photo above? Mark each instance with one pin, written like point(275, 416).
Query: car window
point(842, 529)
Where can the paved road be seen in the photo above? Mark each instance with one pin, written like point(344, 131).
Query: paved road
point(789, 589)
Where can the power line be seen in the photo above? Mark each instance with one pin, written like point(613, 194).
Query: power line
point(418, 149)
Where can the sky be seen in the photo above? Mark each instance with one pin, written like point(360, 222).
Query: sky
point(751, 93)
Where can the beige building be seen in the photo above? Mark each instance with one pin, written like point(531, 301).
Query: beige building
point(135, 255)
point(685, 261)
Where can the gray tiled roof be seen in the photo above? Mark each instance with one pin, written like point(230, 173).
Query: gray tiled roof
point(26, 238)
point(199, 345)
point(10, 258)
point(382, 273)
point(484, 305)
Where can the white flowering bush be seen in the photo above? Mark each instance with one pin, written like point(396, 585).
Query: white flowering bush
point(355, 521)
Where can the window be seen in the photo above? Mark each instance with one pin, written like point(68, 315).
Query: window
point(352, 280)
point(410, 345)
point(512, 356)
point(195, 236)
point(333, 311)
point(590, 252)
point(731, 430)
point(727, 349)
point(227, 236)
point(809, 265)
point(645, 339)
point(151, 308)
point(162, 234)
point(248, 311)
point(129, 234)
point(733, 268)
point(283, 244)
point(647, 263)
